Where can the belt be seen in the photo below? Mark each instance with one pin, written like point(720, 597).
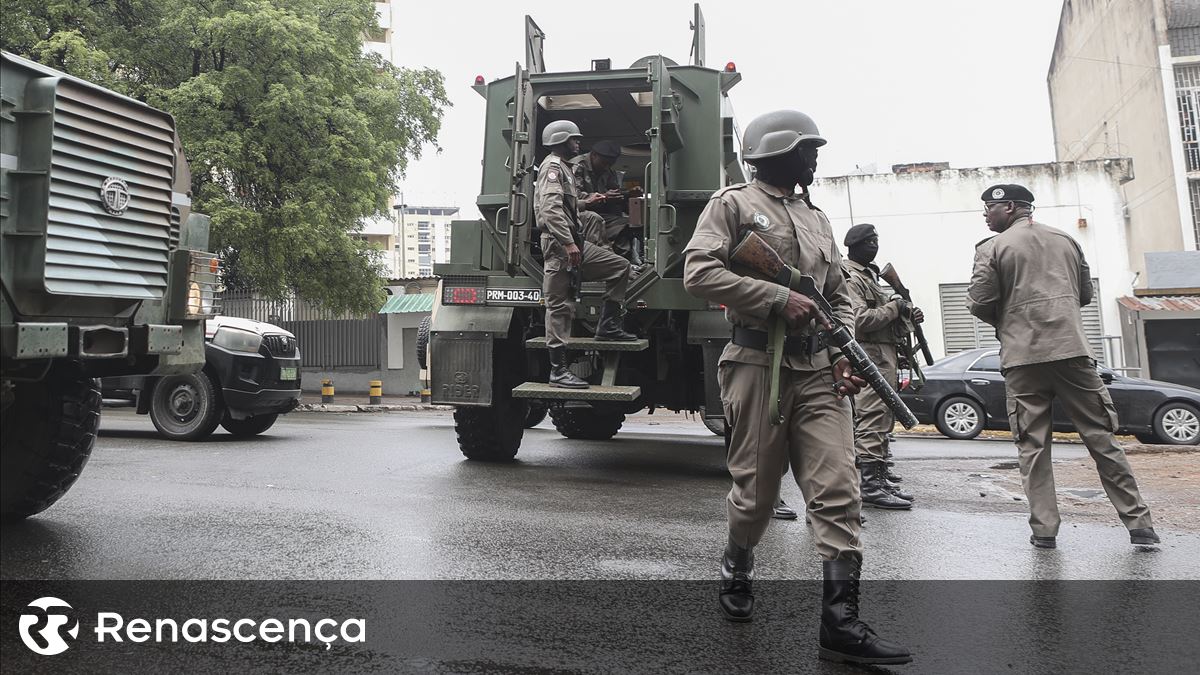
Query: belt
point(794, 345)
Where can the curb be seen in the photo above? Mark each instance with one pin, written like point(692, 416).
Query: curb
point(378, 408)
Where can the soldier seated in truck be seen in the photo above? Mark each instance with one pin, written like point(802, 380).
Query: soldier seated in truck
point(604, 206)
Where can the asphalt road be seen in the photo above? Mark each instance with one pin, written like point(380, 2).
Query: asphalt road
point(388, 496)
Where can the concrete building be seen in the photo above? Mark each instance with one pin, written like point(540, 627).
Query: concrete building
point(930, 218)
point(423, 238)
point(1124, 81)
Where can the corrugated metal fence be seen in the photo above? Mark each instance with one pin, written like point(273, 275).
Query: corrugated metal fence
point(327, 340)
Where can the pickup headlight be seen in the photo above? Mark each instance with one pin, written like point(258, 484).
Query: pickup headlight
point(237, 340)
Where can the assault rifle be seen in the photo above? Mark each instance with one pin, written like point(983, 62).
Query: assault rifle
point(758, 256)
point(889, 274)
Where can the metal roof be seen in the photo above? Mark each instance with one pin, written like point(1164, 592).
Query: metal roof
point(413, 303)
point(1171, 303)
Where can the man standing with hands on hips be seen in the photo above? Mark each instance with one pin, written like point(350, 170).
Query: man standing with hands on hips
point(1029, 282)
point(813, 432)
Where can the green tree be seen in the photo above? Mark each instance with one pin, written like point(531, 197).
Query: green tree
point(294, 135)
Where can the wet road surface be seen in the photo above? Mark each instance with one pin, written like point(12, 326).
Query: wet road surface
point(388, 496)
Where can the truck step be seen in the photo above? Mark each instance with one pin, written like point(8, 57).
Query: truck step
point(593, 393)
point(591, 343)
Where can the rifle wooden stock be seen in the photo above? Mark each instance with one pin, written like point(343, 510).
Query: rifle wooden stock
point(889, 274)
point(757, 255)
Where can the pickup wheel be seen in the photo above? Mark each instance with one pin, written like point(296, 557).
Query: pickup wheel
point(49, 430)
point(186, 407)
point(587, 423)
point(251, 426)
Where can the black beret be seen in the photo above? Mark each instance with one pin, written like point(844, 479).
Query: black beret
point(860, 232)
point(1007, 192)
point(607, 149)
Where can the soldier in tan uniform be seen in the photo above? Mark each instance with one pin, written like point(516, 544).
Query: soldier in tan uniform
point(879, 319)
point(563, 248)
point(815, 436)
point(602, 206)
point(1029, 282)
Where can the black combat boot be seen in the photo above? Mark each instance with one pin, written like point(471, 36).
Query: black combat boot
point(874, 490)
point(881, 474)
point(844, 637)
point(610, 328)
point(783, 512)
point(891, 476)
point(560, 374)
point(737, 577)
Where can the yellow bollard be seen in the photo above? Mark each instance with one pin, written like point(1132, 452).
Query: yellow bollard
point(425, 395)
point(376, 396)
point(326, 391)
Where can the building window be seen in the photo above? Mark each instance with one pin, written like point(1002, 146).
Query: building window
point(962, 331)
point(1194, 190)
point(1187, 95)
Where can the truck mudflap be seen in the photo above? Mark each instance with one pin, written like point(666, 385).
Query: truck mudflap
point(461, 348)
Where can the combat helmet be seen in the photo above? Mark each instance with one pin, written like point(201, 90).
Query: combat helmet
point(559, 131)
point(776, 133)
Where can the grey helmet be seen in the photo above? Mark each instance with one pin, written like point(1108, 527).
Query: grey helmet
point(559, 131)
point(776, 133)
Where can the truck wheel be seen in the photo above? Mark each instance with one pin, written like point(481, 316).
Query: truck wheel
point(186, 407)
point(49, 430)
point(717, 426)
point(491, 434)
point(423, 341)
point(587, 423)
point(251, 426)
point(1177, 423)
point(537, 413)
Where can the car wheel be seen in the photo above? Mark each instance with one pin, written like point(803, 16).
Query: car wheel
point(186, 407)
point(960, 418)
point(1177, 423)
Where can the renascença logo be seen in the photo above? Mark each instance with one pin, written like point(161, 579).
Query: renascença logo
point(43, 624)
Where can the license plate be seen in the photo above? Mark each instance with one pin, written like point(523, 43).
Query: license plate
point(524, 296)
point(287, 374)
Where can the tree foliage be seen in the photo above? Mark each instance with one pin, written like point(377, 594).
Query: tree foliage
point(295, 135)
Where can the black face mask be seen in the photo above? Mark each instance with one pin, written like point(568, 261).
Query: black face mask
point(797, 167)
point(864, 252)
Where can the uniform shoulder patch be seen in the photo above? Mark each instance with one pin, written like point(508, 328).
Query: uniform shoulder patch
point(761, 222)
point(552, 173)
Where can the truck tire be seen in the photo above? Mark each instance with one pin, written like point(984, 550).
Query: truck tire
point(49, 431)
point(587, 423)
point(423, 341)
point(537, 413)
point(714, 425)
point(251, 426)
point(491, 434)
point(186, 407)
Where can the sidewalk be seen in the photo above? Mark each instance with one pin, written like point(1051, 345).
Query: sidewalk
point(311, 402)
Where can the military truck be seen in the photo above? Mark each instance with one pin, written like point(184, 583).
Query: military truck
point(487, 347)
point(102, 266)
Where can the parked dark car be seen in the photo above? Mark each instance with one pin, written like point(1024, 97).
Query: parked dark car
point(251, 376)
point(964, 394)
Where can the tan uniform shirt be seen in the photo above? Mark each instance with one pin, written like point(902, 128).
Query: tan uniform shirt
point(804, 240)
point(555, 198)
point(1029, 282)
point(588, 181)
point(875, 314)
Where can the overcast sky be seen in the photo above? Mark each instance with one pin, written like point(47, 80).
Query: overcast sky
point(959, 81)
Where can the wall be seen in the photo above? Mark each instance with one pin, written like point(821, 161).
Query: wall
point(929, 224)
point(1109, 98)
point(352, 383)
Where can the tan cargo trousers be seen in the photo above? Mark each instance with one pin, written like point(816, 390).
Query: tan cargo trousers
point(873, 420)
point(1082, 394)
point(815, 438)
point(599, 264)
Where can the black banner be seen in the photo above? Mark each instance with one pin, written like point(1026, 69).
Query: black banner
point(586, 626)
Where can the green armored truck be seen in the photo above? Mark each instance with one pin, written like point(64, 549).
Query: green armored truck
point(487, 350)
point(102, 265)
